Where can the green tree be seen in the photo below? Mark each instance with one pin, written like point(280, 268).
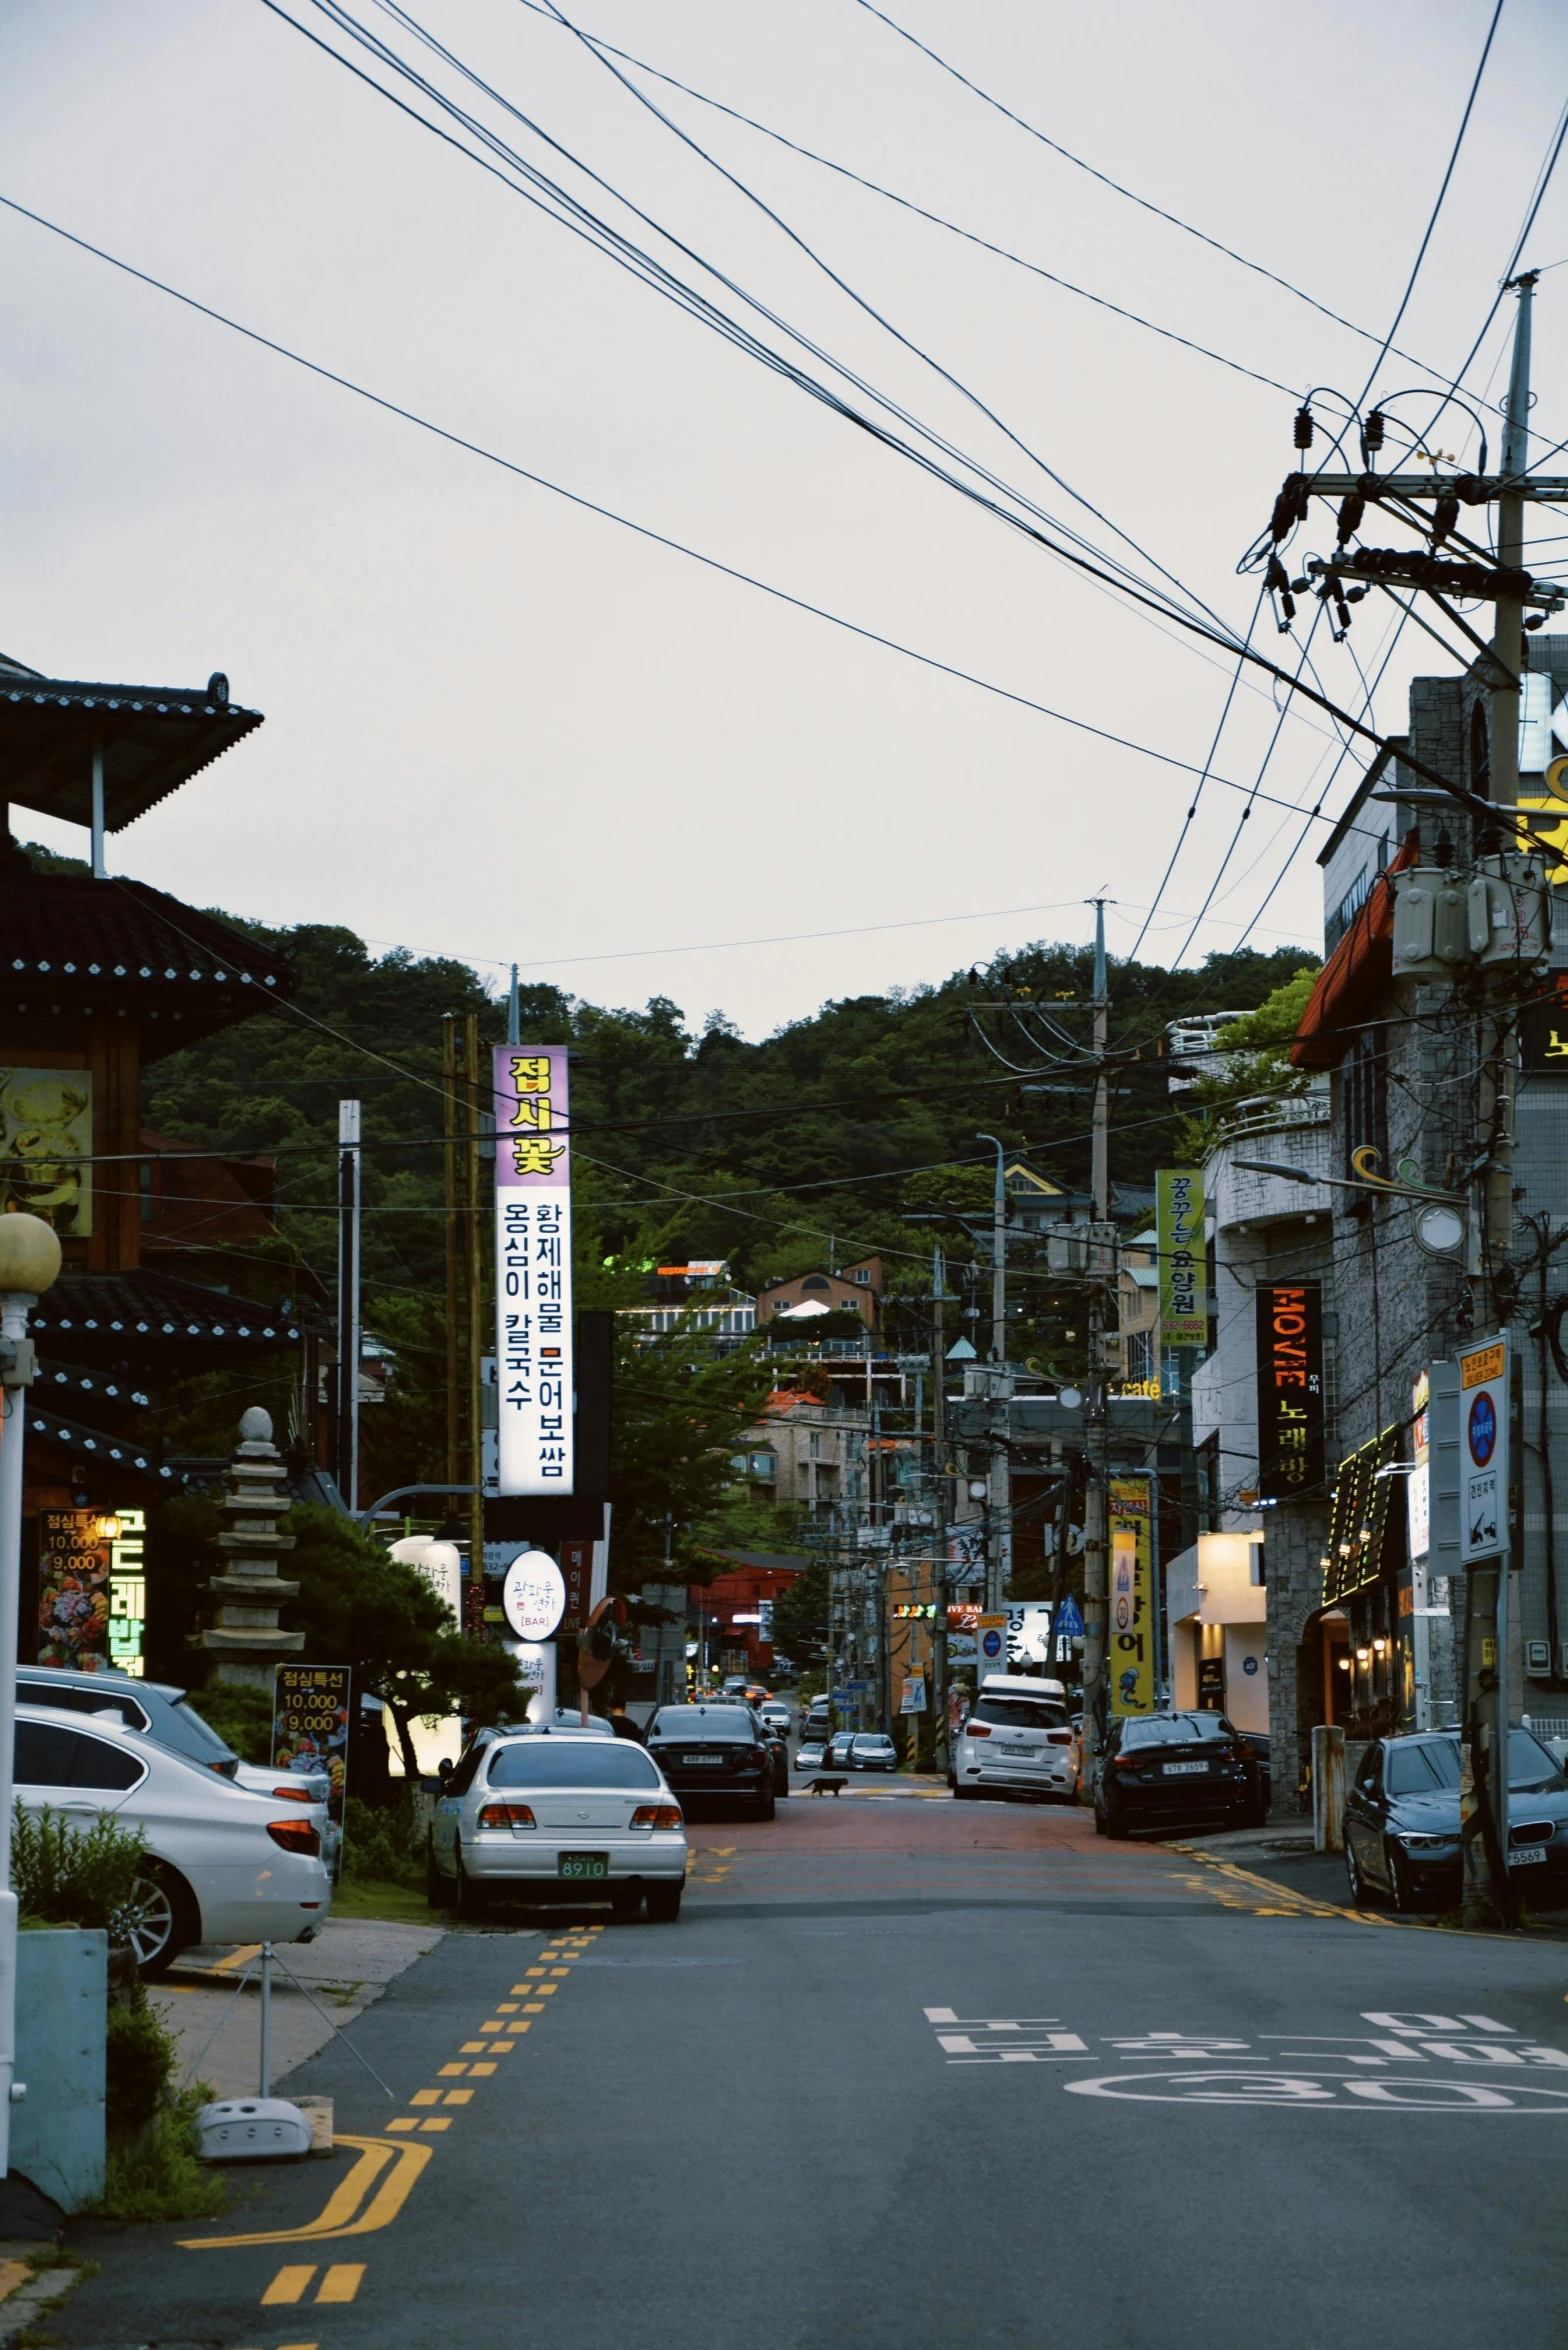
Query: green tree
point(800, 1615)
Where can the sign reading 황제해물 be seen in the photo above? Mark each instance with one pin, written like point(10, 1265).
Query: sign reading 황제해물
point(1184, 1271)
point(533, 1286)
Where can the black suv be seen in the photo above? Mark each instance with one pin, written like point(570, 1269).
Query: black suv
point(1174, 1770)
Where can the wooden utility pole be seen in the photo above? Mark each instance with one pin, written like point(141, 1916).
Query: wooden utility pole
point(1094, 1574)
point(1485, 1717)
point(467, 1235)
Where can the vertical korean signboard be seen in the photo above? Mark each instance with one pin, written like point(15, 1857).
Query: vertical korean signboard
point(1290, 1388)
point(1483, 1452)
point(1184, 1265)
point(533, 1286)
point(73, 1590)
point(1132, 1618)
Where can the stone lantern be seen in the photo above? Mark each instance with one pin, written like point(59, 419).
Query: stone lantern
point(247, 1638)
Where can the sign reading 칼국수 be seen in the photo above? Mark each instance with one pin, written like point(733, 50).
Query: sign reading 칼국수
point(1483, 1451)
point(533, 1242)
point(1184, 1264)
point(1130, 1634)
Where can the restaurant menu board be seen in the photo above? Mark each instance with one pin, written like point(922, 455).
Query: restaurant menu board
point(73, 1590)
point(310, 1717)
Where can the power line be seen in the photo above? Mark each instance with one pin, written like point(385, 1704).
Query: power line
point(605, 513)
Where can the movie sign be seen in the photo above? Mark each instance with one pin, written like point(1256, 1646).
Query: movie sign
point(1130, 1634)
point(533, 1208)
point(1184, 1263)
point(1290, 1388)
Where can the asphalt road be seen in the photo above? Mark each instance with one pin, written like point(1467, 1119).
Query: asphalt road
point(912, 2073)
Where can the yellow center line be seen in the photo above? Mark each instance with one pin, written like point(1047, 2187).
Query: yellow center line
point(287, 2286)
point(347, 2212)
point(342, 2281)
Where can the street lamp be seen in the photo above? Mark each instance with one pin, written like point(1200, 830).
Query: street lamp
point(29, 1261)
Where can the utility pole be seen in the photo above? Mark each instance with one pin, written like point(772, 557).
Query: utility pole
point(346, 1465)
point(1485, 1715)
point(939, 1502)
point(467, 1228)
point(999, 1501)
point(1094, 1578)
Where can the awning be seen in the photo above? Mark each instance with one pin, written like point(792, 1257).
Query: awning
point(1358, 972)
point(153, 738)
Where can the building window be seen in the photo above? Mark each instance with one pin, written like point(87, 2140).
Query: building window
point(1140, 1354)
point(1365, 1080)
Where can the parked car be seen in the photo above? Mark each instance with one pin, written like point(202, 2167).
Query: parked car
point(1402, 1822)
point(1171, 1770)
point(557, 1818)
point(869, 1750)
point(157, 1709)
point(838, 1750)
point(1257, 1745)
point(564, 1719)
point(1017, 1740)
point(714, 1749)
point(810, 1755)
point(223, 1864)
point(734, 1685)
point(776, 1714)
point(778, 1746)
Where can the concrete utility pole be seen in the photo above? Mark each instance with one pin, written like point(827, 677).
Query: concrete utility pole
point(939, 1502)
point(1094, 1577)
point(1485, 1715)
point(346, 1465)
point(999, 1500)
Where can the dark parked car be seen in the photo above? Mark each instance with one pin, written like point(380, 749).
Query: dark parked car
point(1402, 1823)
point(777, 1743)
point(714, 1750)
point(1174, 1770)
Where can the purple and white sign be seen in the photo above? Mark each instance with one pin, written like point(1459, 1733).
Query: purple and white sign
point(533, 1286)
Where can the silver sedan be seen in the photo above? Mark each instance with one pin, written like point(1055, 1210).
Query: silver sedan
point(558, 1817)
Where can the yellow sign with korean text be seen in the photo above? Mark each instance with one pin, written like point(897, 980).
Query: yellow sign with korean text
point(1130, 1643)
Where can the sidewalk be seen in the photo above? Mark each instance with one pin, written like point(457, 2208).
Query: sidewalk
point(348, 1966)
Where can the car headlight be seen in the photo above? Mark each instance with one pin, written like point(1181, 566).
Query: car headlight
point(1427, 1843)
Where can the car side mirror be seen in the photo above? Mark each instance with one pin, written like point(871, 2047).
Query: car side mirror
point(443, 1770)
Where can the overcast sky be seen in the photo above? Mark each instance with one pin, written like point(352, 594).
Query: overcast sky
point(499, 726)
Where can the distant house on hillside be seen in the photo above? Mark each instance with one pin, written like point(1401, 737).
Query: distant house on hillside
point(857, 1290)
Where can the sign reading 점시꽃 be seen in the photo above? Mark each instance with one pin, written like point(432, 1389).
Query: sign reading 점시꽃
point(533, 1263)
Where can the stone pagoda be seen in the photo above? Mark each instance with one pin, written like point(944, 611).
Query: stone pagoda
point(247, 1639)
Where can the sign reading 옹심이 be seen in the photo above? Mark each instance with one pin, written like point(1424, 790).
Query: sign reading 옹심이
point(533, 1243)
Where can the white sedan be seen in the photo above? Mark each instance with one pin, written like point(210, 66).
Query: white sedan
point(223, 1864)
point(558, 1817)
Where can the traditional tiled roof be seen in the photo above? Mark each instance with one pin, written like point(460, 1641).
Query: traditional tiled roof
point(82, 942)
point(54, 1382)
point(153, 739)
point(156, 1306)
point(118, 1451)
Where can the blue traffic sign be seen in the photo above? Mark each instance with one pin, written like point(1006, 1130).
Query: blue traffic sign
point(1069, 1623)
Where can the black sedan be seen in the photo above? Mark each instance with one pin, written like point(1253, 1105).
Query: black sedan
point(714, 1750)
point(1174, 1770)
point(1402, 1823)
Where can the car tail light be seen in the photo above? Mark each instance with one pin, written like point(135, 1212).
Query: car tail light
point(507, 1815)
point(296, 1836)
point(657, 1815)
point(1127, 1762)
point(1058, 1737)
point(976, 1730)
point(761, 1754)
point(293, 1795)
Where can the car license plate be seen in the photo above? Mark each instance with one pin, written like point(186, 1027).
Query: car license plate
point(1525, 1855)
point(1174, 1770)
point(1020, 1751)
point(583, 1864)
point(712, 1762)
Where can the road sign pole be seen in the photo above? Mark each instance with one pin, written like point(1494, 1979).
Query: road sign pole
point(1484, 1404)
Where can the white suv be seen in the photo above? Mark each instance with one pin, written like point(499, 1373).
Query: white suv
point(1017, 1739)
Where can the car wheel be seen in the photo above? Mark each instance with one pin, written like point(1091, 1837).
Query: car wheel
point(439, 1892)
point(626, 1900)
point(1360, 1890)
point(468, 1898)
point(664, 1904)
point(767, 1806)
point(1399, 1882)
point(1099, 1819)
point(952, 1784)
point(964, 1794)
point(1116, 1822)
point(162, 1919)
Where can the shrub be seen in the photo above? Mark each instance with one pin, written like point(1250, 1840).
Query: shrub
point(240, 1714)
point(383, 1847)
point(141, 2060)
point(65, 1876)
point(155, 2174)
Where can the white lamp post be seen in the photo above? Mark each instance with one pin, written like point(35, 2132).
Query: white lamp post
point(29, 1261)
